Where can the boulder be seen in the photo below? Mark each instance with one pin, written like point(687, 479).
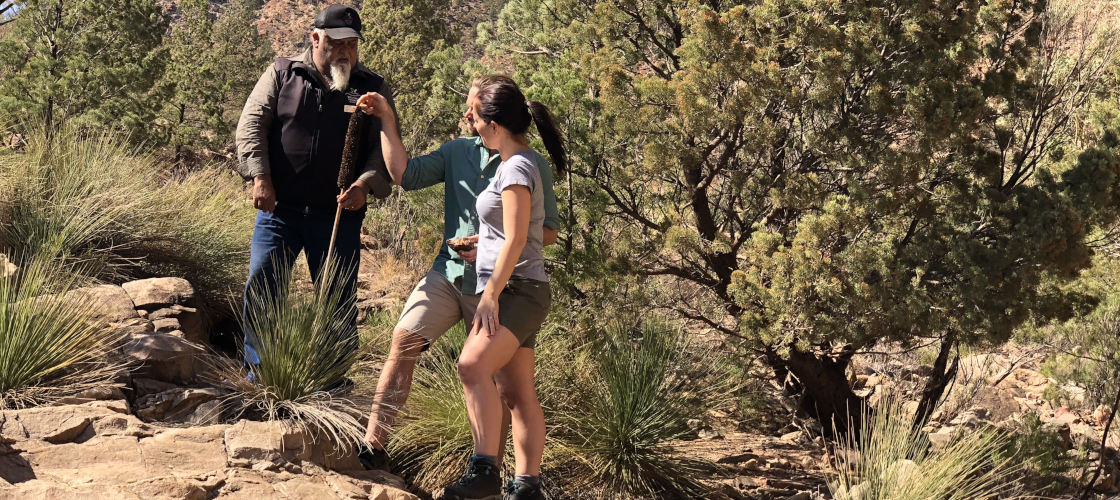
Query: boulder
point(166, 325)
point(162, 356)
point(154, 293)
point(105, 303)
point(175, 405)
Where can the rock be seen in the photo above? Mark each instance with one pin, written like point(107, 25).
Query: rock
point(970, 419)
point(155, 293)
point(105, 303)
point(873, 380)
point(249, 443)
point(6, 267)
point(182, 452)
point(166, 325)
point(102, 393)
point(189, 321)
point(145, 386)
point(162, 356)
point(709, 434)
point(792, 437)
point(208, 413)
point(122, 425)
point(1063, 415)
point(860, 381)
point(1101, 415)
point(803, 495)
point(901, 470)
point(942, 437)
point(52, 424)
point(695, 424)
point(175, 405)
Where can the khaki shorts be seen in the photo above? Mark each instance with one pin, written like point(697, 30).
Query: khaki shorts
point(435, 306)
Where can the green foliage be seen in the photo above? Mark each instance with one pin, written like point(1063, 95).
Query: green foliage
point(826, 173)
point(408, 43)
point(895, 461)
point(91, 202)
point(301, 337)
point(48, 347)
point(213, 65)
point(432, 441)
point(636, 401)
point(1045, 464)
point(94, 64)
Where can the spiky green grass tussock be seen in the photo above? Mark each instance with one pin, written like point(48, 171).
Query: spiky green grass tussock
point(432, 441)
point(107, 211)
point(305, 345)
point(48, 347)
point(638, 404)
point(893, 461)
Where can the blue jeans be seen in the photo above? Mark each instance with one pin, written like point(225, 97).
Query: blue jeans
point(278, 238)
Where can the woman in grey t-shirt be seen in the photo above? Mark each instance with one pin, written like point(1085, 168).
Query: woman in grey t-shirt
point(515, 293)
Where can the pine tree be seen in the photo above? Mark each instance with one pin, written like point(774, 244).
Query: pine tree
point(813, 178)
point(215, 60)
point(89, 63)
point(407, 42)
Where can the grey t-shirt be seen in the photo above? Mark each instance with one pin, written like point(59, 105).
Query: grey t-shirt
point(519, 170)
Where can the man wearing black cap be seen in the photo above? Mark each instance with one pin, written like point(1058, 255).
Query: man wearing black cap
point(289, 142)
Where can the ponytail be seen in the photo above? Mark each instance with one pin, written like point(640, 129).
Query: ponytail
point(501, 101)
point(550, 135)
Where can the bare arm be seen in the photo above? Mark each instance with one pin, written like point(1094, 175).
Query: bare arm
point(392, 149)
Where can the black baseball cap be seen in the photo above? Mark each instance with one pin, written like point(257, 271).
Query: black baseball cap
point(340, 21)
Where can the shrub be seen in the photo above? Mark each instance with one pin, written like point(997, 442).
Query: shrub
point(48, 348)
point(106, 210)
point(894, 461)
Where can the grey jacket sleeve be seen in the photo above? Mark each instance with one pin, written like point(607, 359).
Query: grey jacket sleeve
point(374, 173)
point(253, 126)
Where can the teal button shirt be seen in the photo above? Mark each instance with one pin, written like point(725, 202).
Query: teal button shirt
point(466, 167)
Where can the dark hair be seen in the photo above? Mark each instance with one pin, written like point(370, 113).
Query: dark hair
point(501, 101)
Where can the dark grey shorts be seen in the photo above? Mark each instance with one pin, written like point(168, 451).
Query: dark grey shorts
point(522, 307)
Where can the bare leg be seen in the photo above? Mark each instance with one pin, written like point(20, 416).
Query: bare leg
point(516, 381)
point(481, 358)
point(393, 385)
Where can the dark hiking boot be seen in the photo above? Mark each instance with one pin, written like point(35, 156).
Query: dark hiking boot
point(481, 481)
point(521, 490)
point(373, 458)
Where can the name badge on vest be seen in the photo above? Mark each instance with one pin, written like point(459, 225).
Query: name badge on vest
point(352, 96)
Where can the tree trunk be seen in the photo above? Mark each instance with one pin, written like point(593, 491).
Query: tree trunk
point(937, 382)
point(825, 393)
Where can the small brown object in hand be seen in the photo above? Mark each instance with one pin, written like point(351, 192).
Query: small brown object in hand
point(461, 244)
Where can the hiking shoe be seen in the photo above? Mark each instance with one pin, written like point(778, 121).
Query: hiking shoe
point(521, 490)
point(373, 458)
point(481, 481)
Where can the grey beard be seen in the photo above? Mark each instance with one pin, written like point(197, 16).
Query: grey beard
point(340, 76)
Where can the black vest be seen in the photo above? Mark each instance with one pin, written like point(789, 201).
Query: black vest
point(309, 131)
